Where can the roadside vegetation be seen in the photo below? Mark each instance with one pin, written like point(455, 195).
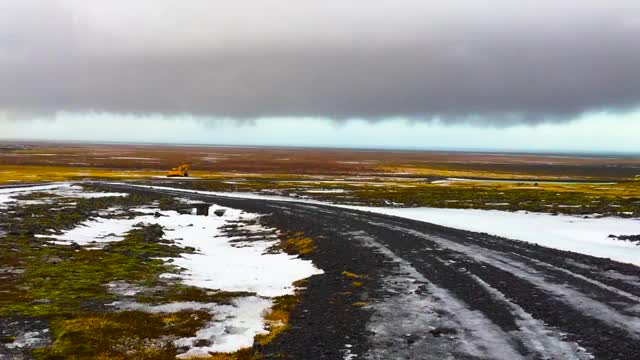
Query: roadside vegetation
point(12, 174)
point(70, 289)
point(403, 179)
point(604, 199)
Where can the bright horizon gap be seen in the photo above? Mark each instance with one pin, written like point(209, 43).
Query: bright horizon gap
point(321, 147)
point(592, 133)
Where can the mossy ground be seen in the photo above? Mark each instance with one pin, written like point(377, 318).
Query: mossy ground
point(294, 244)
point(615, 199)
point(278, 318)
point(121, 335)
point(68, 285)
point(576, 199)
point(385, 189)
point(15, 174)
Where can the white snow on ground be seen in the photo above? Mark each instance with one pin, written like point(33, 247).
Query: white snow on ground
point(28, 339)
point(221, 263)
point(99, 230)
point(67, 190)
point(75, 191)
point(570, 233)
point(567, 294)
point(327, 191)
point(563, 232)
point(409, 313)
point(535, 334)
point(6, 195)
point(233, 326)
point(133, 158)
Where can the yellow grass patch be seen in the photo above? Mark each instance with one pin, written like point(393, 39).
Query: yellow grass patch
point(297, 244)
point(15, 173)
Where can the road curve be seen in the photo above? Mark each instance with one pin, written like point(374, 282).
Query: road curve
point(415, 290)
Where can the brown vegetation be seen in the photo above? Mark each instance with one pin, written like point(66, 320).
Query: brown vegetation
point(287, 161)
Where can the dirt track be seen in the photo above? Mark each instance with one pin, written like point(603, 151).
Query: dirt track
point(430, 292)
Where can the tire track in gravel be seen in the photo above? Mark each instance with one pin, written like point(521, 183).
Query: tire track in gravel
point(441, 293)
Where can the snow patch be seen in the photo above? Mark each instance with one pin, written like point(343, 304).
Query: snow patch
point(67, 190)
point(564, 232)
point(219, 262)
point(222, 262)
point(566, 293)
point(327, 191)
point(100, 230)
point(233, 327)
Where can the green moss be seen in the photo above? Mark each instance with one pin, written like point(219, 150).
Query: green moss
point(169, 203)
point(177, 292)
point(573, 199)
point(38, 195)
point(40, 219)
point(60, 279)
point(67, 285)
point(580, 200)
point(122, 335)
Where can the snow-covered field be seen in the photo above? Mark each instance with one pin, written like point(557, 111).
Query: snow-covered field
point(68, 190)
point(230, 266)
point(571, 233)
point(582, 235)
point(221, 263)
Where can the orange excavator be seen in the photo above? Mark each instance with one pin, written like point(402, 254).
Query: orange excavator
point(181, 171)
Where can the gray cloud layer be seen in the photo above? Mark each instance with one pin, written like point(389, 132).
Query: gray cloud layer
point(493, 61)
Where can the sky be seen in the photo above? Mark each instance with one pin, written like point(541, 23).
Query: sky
point(550, 75)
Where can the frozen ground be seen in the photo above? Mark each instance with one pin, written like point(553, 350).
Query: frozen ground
point(68, 190)
point(221, 263)
point(411, 311)
point(571, 233)
point(582, 235)
point(432, 292)
point(231, 264)
point(233, 326)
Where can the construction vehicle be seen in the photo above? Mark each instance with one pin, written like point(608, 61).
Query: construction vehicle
point(181, 171)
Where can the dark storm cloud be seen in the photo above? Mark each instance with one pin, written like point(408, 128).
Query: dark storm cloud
point(486, 62)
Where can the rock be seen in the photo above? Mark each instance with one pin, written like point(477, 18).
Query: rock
point(41, 302)
point(438, 332)
point(153, 233)
point(202, 209)
point(220, 212)
point(202, 343)
point(53, 260)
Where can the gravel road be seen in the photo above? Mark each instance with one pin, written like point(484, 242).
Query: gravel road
point(416, 290)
